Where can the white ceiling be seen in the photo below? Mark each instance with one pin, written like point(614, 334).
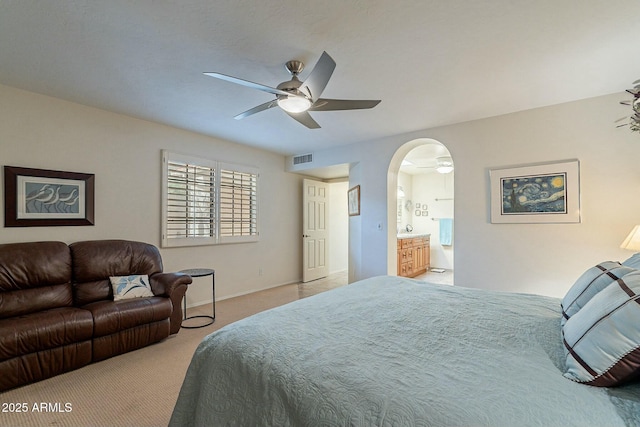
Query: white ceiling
point(423, 159)
point(431, 62)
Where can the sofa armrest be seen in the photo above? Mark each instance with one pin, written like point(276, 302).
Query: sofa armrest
point(172, 286)
point(165, 284)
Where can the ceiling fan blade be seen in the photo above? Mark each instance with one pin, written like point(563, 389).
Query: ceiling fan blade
point(324, 104)
point(257, 109)
point(304, 118)
point(319, 77)
point(247, 83)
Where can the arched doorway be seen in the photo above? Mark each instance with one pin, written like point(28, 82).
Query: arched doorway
point(420, 201)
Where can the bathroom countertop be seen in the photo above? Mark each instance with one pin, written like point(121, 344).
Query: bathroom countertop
point(412, 235)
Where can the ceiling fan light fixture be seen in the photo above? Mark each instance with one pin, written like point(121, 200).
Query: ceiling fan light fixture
point(444, 165)
point(294, 104)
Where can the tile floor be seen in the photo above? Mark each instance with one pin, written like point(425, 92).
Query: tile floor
point(342, 278)
point(445, 278)
point(332, 281)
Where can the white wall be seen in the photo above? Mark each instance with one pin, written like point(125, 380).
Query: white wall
point(539, 258)
point(124, 154)
point(434, 190)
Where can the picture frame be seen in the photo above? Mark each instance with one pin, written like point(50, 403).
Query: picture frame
point(418, 212)
point(353, 197)
point(45, 198)
point(537, 193)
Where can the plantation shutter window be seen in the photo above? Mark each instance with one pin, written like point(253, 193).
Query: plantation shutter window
point(238, 203)
point(206, 202)
point(191, 201)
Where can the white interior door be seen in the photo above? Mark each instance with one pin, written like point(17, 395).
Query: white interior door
point(315, 230)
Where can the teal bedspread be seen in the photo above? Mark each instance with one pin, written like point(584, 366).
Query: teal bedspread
point(389, 351)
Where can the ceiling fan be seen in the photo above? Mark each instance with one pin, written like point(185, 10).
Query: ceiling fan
point(297, 98)
point(443, 164)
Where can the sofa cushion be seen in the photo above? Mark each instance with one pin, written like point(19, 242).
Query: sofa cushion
point(18, 303)
point(33, 277)
point(129, 339)
point(35, 264)
point(101, 259)
point(113, 316)
point(44, 330)
point(44, 364)
point(96, 260)
point(88, 292)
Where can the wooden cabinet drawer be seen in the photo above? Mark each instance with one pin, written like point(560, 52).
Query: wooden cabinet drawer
point(406, 243)
point(413, 256)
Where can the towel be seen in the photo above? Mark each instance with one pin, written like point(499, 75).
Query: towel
point(446, 231)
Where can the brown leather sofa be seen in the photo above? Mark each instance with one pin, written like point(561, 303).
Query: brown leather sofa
point(57, 311)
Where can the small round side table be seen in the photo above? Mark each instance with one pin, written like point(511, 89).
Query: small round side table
point(200, 272)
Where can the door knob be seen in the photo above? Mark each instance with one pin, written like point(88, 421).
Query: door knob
point(306, 235)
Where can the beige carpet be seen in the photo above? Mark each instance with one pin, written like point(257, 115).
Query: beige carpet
point(134, 389)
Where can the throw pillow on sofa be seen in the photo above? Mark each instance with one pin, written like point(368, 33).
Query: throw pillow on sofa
point(133, 286)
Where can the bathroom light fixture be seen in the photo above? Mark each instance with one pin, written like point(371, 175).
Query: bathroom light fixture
point(444, 164)
point(632, 242)
point(294, 104)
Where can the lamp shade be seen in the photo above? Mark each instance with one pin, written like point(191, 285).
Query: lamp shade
point(632, 242)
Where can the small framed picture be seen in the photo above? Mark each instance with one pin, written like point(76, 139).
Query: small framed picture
point(353, 197)
point(425, 213)
point(417, 205)
point(418, 212)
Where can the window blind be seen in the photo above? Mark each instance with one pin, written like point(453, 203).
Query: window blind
point(238, 203)
point(191, 209)
point(206, 202)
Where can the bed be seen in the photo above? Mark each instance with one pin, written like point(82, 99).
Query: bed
point(390, 351)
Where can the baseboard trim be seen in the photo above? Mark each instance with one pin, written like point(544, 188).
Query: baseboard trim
point(239, 294)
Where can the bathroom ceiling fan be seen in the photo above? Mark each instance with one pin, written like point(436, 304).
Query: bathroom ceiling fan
point(444, 164)
point(297, 98)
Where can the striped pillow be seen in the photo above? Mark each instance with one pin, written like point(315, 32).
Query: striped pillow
point(589, 284)
point(602, 340)
point(633, 261)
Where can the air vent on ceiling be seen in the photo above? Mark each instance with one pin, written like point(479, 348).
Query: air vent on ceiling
point(303, 158)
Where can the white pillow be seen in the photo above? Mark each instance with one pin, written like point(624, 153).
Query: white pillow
point(134, 286)
point(602, 340)
point(589, 284)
